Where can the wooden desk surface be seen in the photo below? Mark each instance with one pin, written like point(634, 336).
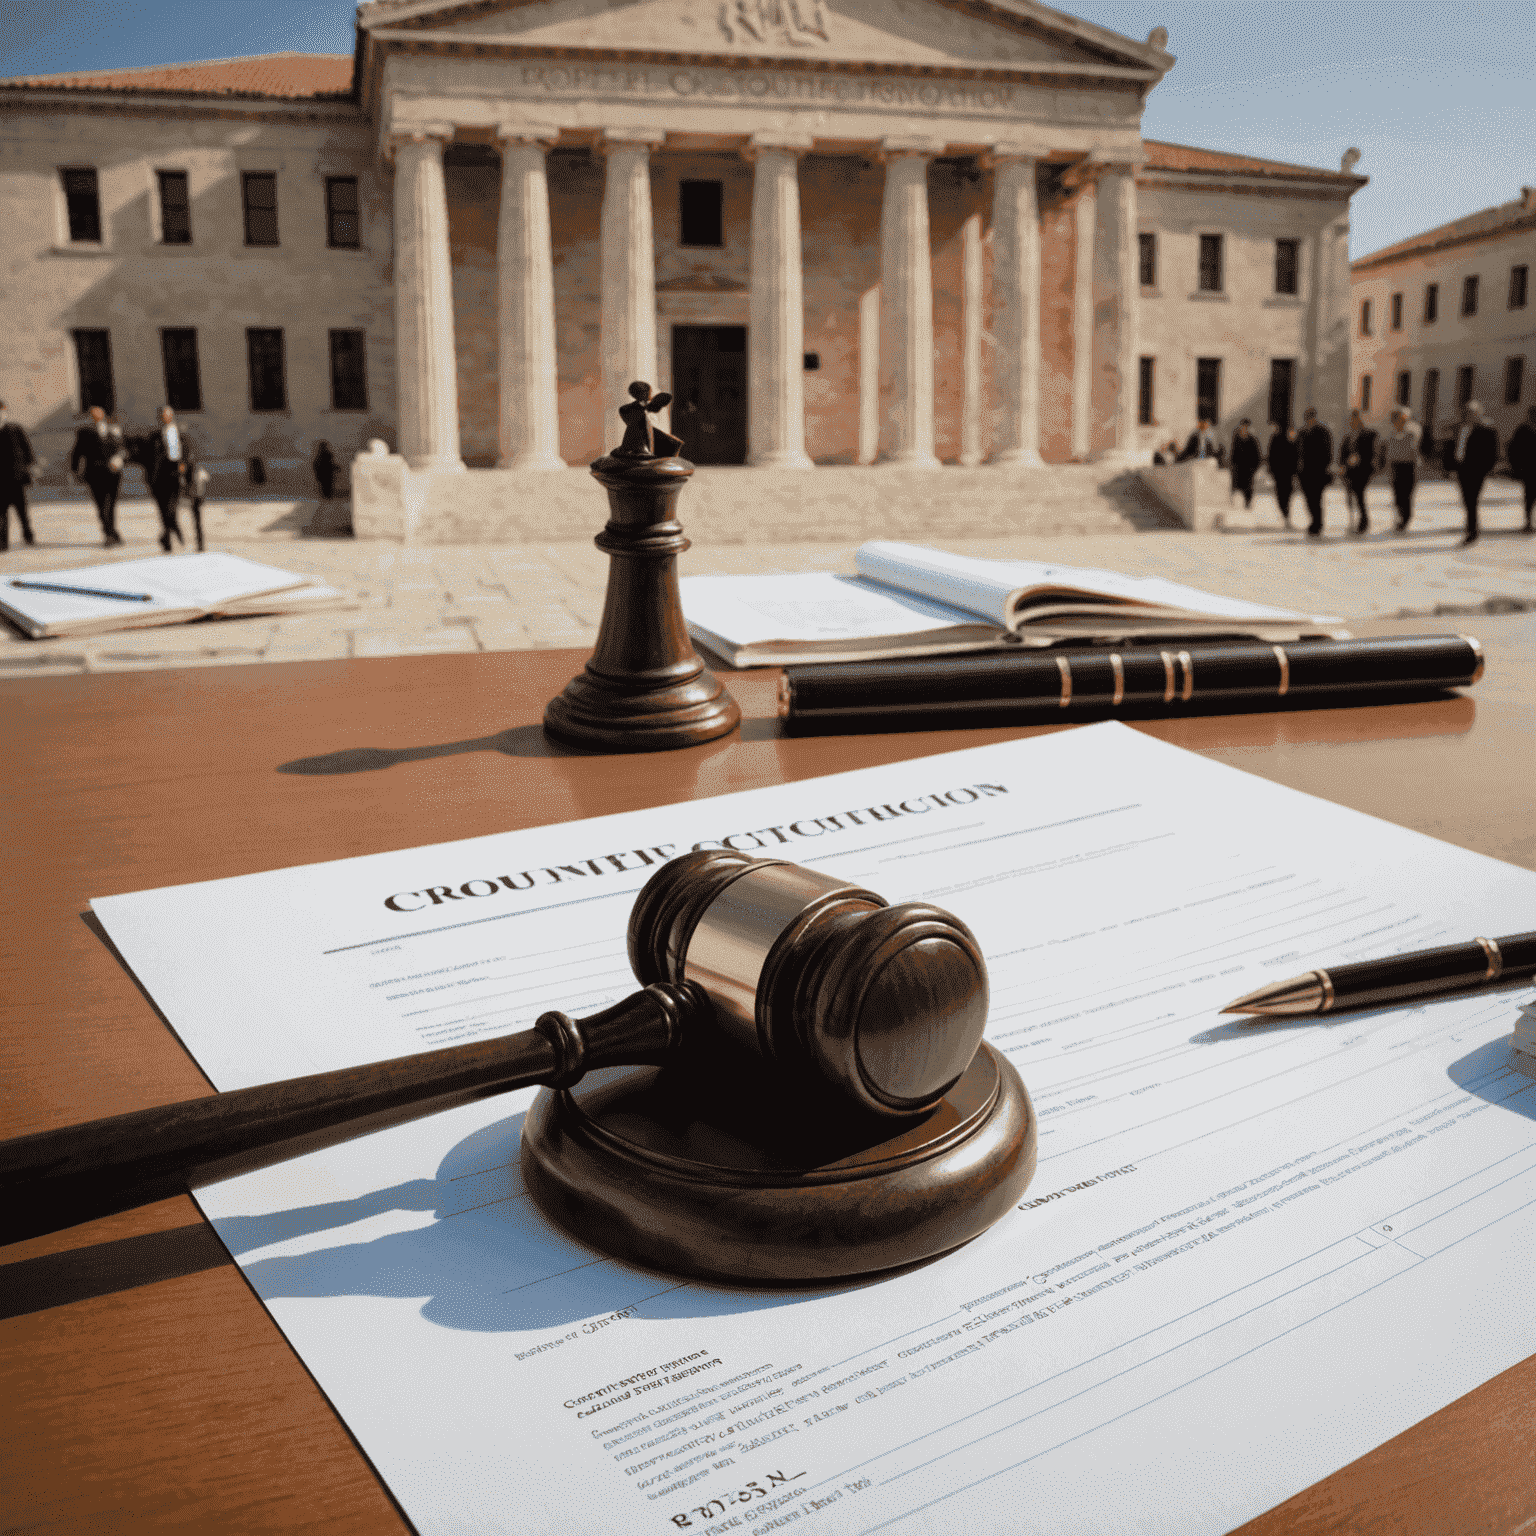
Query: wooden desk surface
point(146, 1383)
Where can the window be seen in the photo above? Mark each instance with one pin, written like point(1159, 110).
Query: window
point(258, 189)
point(264, 357)
point(1365, 317)
point(1514, 379)
point(1469, 295)
point(183, 383)
point(175, 208)
point(1210, 264)
point(1463, 386)
point(1404, 388)
point(1287, 265)
point(1144, 406)
point(349, 372)
point(812, 362)
point(1146, 249)
point(1208, 389)
point(1431, 401)
point(1431, 303)
point(701, 213)
point(1282, 373)
point(343, 228)
point(93, 362)
point(1519, 278)
point(1397, 311)
point(82, 204)
point(1365, 393)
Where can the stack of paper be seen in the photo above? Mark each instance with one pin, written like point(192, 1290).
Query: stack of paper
point(139, 594)
point(1522, 1055)
point(1251, 1252)
point(910, 601)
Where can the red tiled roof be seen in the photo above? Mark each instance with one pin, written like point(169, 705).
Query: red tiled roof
point(1502, 219)
point(1185, 157)
point(286, 76)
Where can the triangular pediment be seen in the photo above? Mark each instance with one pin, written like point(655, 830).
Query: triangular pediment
point(911, 33)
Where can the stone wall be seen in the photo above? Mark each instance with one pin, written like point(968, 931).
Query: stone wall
point(1484, 341)
point(133, 286)
point(1248, 324)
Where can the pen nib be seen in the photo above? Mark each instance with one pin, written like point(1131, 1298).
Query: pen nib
point(1300, 994)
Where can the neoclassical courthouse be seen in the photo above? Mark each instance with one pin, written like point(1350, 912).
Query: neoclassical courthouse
point(839, 231)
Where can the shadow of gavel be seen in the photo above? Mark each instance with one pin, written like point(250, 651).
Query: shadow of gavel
point(820, 983)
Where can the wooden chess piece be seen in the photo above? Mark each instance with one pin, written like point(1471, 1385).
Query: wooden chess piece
point(645, 688)
point(809, 1096)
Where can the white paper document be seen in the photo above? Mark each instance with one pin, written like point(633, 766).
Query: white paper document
point(1251, 1253)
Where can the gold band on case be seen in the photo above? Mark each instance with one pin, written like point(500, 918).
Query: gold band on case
point(1327, 982)
point(786, 696)
point(1065, 668)
point(1495, 958)
point(1188, 665)
point(1167, 677)
point(1285, 672)
point(1118, 668)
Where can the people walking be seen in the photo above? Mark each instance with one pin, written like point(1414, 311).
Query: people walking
point(1314, 468)
point(97, 458)
point(16, 463)
point(1245, 460)
point(1475, 453)
point(168, 467)
point(1282, 459)
point(1400, 453)
point(1521, 453)
point(1357, 459)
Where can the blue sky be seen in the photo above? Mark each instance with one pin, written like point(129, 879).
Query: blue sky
point(1435, 93)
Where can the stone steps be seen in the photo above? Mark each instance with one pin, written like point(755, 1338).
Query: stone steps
point(745, 505)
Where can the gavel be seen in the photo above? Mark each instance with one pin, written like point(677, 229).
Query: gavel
point(824, 989)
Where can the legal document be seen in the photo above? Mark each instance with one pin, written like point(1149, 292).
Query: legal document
point(1251, 1253)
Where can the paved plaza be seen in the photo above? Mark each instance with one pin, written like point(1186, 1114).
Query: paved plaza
point(412, 600)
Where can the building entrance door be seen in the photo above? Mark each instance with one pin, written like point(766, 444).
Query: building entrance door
point(709, 388)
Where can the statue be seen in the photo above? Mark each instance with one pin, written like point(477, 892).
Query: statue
point(642, 438)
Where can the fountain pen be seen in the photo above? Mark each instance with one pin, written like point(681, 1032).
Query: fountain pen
point(1396, 979)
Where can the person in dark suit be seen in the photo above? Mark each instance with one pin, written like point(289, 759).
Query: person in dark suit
point(1314, 468)
point(1202, 444)
point(97, 458)
point(1282, 459)
point(324, 466)
point(1245, 460)
point(1520, 450)
point(1357, 458)
point(168, 469)
point(1475, 453)
point(16, 461)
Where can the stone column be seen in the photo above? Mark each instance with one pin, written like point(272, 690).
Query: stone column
point(1086, 210)
point(906, 303)
point(971, 406)
point(525, 304)
point(1016, 307)
point(1117, 204)
point(627, 238)
point(428, 385)
point(776, 338)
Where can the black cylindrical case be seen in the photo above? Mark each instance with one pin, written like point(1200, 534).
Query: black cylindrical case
point(1098, 679)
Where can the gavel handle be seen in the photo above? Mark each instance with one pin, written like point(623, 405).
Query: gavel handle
point(56, 1179)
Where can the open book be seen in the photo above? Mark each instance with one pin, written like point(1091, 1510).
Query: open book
point(168, 589)
point(911, 601)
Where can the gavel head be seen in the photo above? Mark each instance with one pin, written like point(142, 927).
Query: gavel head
point(820, 977)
